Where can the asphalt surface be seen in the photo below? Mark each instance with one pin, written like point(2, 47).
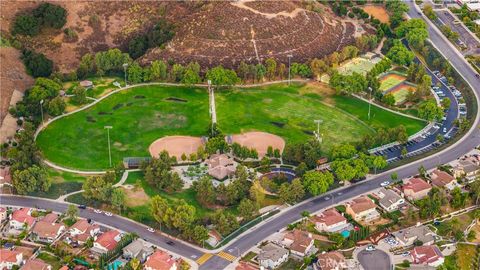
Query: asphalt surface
point(260, 232)
point(374, 260)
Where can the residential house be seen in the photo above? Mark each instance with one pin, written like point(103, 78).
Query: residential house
point(160, 260)
point(213, 238)
point(390, 200)
point(5, 177)
point(416, 188)
point(443, 179)
point(81, 226)
point(51, 218)
point(362, 209)
point(407, 237)
point(220, 166)
point(3, 214)
point(271, 256)
point(427, 255)
point(299, 242)
point(107, 241)
point(9, 258)
point(21, 217)
point(36, 264)
point(331, 221)
point(138, 249)
point(47, 232)
point(466, 169)
point(81, 231)
point(332, 260)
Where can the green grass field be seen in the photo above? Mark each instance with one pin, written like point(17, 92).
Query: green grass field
point(143, 114)
point(62, 183)
point(358, 65)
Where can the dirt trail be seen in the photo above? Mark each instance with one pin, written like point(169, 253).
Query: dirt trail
point(292, 14)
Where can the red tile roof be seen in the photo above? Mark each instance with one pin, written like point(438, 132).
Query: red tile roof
point(52, 217)
point(22, 216)
point(416, 184)
point(81, 225)
point(361, 204)
point(35, 264)
point(441, 178)
point(7, 255)
point(107, 239)
point(426, 254)
point(160, 260)
point(329, 217)
point(46, 229)
point(301, 240)
point(330, 260)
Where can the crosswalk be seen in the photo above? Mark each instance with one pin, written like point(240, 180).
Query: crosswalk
point(226, 256)
point(205, 257)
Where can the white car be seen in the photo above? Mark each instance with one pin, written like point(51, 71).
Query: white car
point(370, 248)
point(406, 253)
point(97, 211)
point(151, 229)
point(444, 130)
point(384, 184)
point(108, 214)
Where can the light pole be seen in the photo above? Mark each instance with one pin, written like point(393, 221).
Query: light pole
point(125, 65)
point(289, 58)
point(108, 138)
point(317, 135)
point(41, 109)
point(369, 101)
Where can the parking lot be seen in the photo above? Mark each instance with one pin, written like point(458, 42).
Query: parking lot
point(466, 39)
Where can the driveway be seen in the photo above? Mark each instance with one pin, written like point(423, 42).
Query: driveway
point(374, 260)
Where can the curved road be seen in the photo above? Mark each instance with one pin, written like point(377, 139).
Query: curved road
point(248, 240)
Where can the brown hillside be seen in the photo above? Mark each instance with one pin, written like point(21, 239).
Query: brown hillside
point(211, 33)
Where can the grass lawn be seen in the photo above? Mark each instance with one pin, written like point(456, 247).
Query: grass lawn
point(358, 65)
point(62, 183)
point(138, 117)
point(50, 259)
point(142, 115)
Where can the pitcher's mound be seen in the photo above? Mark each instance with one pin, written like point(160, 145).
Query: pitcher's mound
point(260, 141)
point(175, 146)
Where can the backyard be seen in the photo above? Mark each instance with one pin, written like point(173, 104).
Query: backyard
point(143, 114)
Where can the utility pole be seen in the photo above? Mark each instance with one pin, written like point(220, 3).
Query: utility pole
point(108, 138)
point(369, 101)
point(289, 58)
point(41, 109)
point(125, 65)
point(317, 134)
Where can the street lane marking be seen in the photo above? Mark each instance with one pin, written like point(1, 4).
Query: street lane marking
point(205, 257)
point(226, 256)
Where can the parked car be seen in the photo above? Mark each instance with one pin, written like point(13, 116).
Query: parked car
point(370, 248)
point(108, 214)
point(384, 184)
point(82, 206)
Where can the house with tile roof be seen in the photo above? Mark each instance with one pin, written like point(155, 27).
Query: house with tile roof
point(21, 217)
point(416, 188)
point(389, 200)
point(9, 258)
point(427, 255)
point(330, 221)
point(160, 260)
point(408, 236)
point(107, 241)
point(362, 209)
point(299, 242)
point(332, 260)
point(46, 232)
point(36, 264)
point(443, 179)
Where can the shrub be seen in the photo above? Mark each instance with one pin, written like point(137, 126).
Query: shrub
point(25, 25)
point(37, 64)
point(51, 15)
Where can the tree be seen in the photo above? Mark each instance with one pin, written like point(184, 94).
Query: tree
point(430, 111)
point(247, 209)
point(137, 46)
point(157, 173)
point(205, 191)
point(79, 95)
point(291, 193)
point(220, 76)
point(118, 198)
point(404, 151)
point(224, 223)
point(379, 162)
point(260, 72)
point(343, 170)
point(458, 198)
point(160, 208)
point(399, 54)
point(183, 216)
point(389, 99)
point(200, 234)
point(343, 151)
point(56, 106)
point(162, 32)
point(301, 169)
point(111, 61)
point(86, 66)
point(37, 64)
point(25, 25)
point(31, 179)
point(317, 182)
point(72, 212)
point(26, 154)
point(97, 188)
point(158, 70)
point(428, 11)
point(446, 103)
point(271, 68)
point(394, 176)
point(192, 74)
point(135, 73)
point(135, 264)
point(257, 194)
point(318, 67)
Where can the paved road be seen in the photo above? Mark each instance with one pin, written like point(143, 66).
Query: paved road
point(242, 244)
point(374, 260)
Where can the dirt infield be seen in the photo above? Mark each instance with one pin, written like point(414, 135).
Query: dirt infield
point(175, 146)
point(378, 12)
point(260, 141)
